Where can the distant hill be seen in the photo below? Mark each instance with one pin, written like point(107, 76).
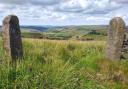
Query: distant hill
point(48, 28)
point(64, 32)
point(82, 32)
point(53, 28)
point(33, 28)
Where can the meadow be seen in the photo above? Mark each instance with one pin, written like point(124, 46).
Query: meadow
point(52, 64)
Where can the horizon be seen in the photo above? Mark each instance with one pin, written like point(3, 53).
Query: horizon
point(65, 25)
point(64, 12)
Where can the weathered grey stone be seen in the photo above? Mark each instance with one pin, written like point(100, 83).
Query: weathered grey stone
point(125, 46)
point(115, 38)
point(12, 37)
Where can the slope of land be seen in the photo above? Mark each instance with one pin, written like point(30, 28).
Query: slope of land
point(84, 32)
point(63, 65)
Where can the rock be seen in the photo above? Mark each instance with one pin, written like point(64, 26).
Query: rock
point(125, 47)
point(115, 38)
point(12, 37)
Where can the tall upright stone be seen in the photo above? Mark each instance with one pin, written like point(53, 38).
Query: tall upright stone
point(115, 38)
point(12, 37)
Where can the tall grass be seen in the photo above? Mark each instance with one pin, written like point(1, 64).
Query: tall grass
point(61, 65)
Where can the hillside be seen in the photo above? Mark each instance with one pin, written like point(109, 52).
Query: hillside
point(52, 28)
point(85, 32)
point(63, 65)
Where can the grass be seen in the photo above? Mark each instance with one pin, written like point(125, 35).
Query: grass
point(63, 65)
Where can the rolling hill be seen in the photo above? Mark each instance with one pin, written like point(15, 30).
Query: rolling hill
point(83, 32)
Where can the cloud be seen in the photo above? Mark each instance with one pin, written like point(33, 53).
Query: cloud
point(73, 6)
point(64, 11)
point(32, 2)
point(87, 6)
point(121, 1)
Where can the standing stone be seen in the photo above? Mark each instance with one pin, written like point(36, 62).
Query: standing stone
point(12, 37)
point(115, 38)
point(125, 46)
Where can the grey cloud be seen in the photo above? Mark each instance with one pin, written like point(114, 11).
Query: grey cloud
point(33, 2)
point(45, 2)
point(13, 1)
point(91, 8)
point(121, 1)
point(55, 9)
point(102, 11)
point(69, 9)
point(96, 12)
point(61, 6)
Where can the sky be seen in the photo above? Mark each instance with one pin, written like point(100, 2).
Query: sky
point(64, 12)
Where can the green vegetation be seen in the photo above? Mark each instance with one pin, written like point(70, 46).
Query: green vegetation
point(78, 33)
point(94, 32)
point(32, 35)
point(63, 65)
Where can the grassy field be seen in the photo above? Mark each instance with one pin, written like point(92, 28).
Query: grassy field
point(81, 33)
point(63, 65)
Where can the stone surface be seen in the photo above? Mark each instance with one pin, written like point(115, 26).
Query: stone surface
point(125, 46)
point(115, 38)
point(12, 37)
